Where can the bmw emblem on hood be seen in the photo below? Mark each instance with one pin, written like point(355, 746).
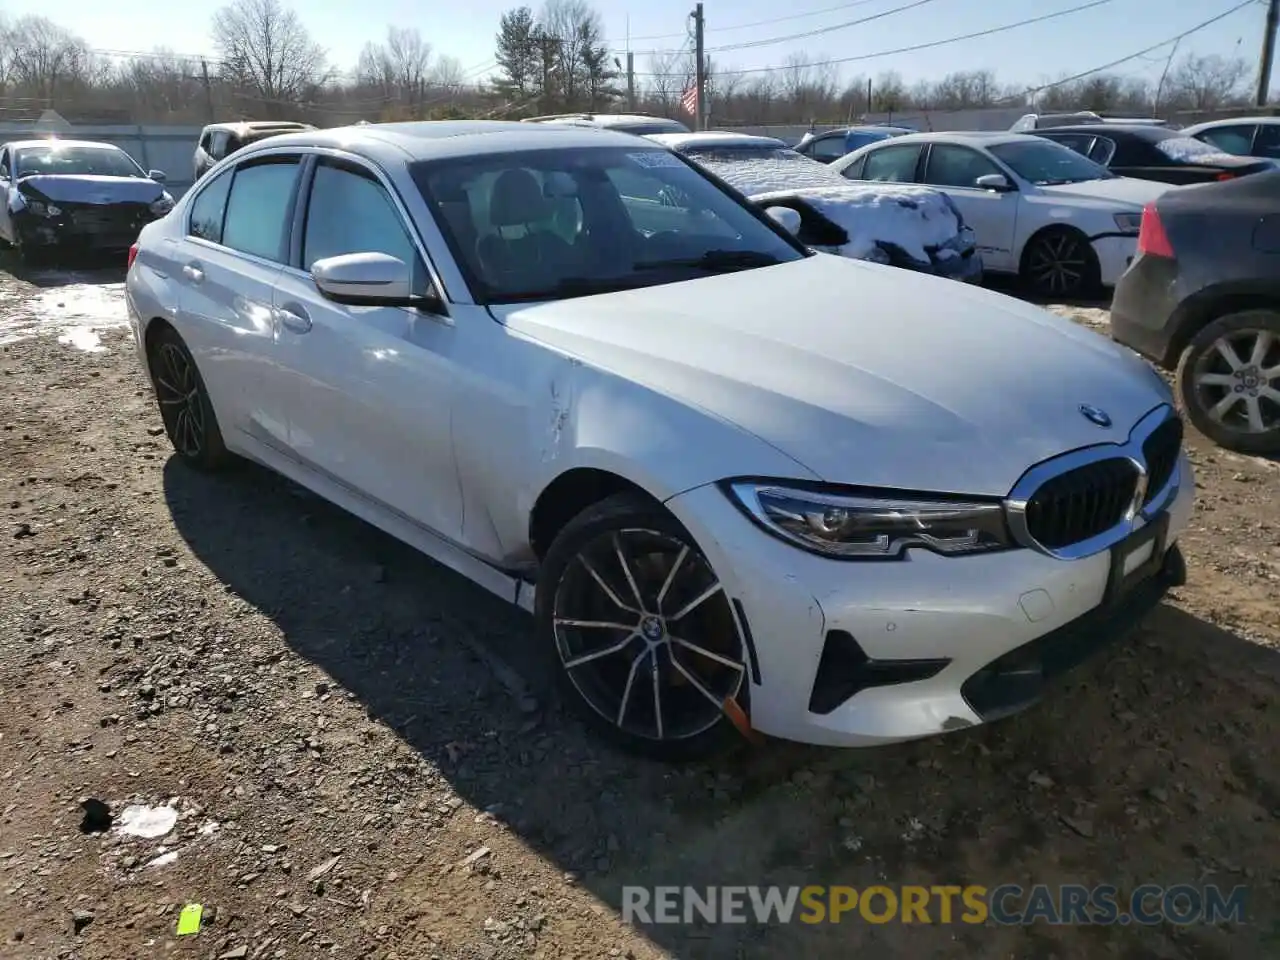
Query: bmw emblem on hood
point(1095, 415)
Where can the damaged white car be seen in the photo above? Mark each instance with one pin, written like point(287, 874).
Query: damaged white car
point(907, 226)
point(740, 485)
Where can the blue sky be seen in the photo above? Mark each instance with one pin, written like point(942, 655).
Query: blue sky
point(1035, 53)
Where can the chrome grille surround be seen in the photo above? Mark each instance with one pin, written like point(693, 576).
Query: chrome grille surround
point(1144, 504)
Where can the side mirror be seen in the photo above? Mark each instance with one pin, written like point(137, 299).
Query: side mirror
point(157, 175)
point(786, 218)
point(994, 181)
point(365, 279)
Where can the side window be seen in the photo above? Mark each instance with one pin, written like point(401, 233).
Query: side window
point(208, 208)
point(218, 144)
point(4, 164)
point(205, 139)
point(892, 164)
point(351, 212)
point(1235, 139)
point(1079, 142)
point(953, 166)
point(829, 148)
point(1268, 142)
point(854, 170)
point(1102, 151)
point(259, 206)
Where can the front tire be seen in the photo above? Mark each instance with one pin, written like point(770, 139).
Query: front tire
point(1060, 262)
point(643, 637)
point(188, 416)
point(1229, 381)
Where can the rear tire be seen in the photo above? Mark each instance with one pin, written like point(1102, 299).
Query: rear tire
point(656, 681)
point(1229, 381)
point(1060, 262)
point(188, 416)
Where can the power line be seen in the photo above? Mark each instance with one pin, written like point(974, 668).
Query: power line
point(934, 43)
point(769, 41)
point(759, 23)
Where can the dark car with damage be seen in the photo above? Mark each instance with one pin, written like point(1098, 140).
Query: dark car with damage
point(75, 195)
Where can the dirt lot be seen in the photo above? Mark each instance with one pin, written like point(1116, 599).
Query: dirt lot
point(333, 718)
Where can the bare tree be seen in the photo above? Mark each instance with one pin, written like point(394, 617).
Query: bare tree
point(809, 87)
point(267, 53)
point(1206, 83)
point(46, 60)
point(398, 68)
point(574, 33)
point(162, 84)
point(889, 93)
point(670, 75)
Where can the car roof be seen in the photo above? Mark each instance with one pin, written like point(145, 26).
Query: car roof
point(1232, 122)
point(601, 119)
point(248, 126)
point(431, 139)
point(710, 139)
point(973, 138)
point(866, 128)
point(1148, 132)
point(45, 141)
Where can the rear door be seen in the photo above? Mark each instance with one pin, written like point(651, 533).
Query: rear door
point(955, 169)
point(235, 246)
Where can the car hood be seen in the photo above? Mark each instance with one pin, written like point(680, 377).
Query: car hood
point(862, 373)
point(1126, 190)
point(62, 188)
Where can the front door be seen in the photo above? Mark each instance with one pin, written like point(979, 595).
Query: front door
point(6, 184)
point(369, 388)
point(954, 170)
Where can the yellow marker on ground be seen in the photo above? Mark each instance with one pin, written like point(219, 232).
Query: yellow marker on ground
point(189, 919)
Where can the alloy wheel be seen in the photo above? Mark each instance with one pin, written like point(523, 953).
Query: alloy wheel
point(181, 406)
point(1237, 381)
point(1058, 264)
point(646, 635)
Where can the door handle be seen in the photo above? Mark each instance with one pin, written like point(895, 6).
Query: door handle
point(193, 272)
point(293, 317)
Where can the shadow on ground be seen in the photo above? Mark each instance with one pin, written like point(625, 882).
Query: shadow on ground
point(1014, 287)
point(1148, 765)
point(63, 270)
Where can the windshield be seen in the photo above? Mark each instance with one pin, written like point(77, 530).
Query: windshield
point(1044, 162)
point(708, 156)
point(1188, 150)
point(76, 161)
point(553, 224)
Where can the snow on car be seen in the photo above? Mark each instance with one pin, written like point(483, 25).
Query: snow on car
point(913, 227)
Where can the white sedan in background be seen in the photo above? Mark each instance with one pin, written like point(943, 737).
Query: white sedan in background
point(740, 485)
point(1063, 223)
point(911, 227)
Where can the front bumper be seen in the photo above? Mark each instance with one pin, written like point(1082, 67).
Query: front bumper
point(1114, 253)
point(103, 228)
point(924, 629)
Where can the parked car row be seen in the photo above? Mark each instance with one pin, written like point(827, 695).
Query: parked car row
point(742, 486)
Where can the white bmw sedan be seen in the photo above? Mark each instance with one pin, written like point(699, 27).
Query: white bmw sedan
point(1064, 224)
point(740, 486)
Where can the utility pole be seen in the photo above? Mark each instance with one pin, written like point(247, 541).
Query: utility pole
point(208, 88)
point(1268, 54)
point(700, 67)
point(631, 81)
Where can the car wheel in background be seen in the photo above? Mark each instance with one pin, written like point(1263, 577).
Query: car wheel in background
point(645, 642)
point(1229, 381)
point(184, 403)
point(1059, 262)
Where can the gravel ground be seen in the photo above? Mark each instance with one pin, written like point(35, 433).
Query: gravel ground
point(357, 773)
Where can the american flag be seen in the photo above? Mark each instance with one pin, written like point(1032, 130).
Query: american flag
point(689, 100)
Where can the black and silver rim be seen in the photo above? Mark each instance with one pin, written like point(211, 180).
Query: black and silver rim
point(1058, 263)
point(1237, 381)
point(178, 391)
point(646, 635)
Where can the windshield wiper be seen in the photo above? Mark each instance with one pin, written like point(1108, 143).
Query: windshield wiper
point(715, 261)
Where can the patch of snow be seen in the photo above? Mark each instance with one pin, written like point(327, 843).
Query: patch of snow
point(914, 218)
point(76, 313)
point(1191, 150)
point(164, 859)
point(149, 823)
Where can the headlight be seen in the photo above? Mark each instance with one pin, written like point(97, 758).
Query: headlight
point(163, 205)
point(1129, 222)
point(872, 525)
point(42, 209)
